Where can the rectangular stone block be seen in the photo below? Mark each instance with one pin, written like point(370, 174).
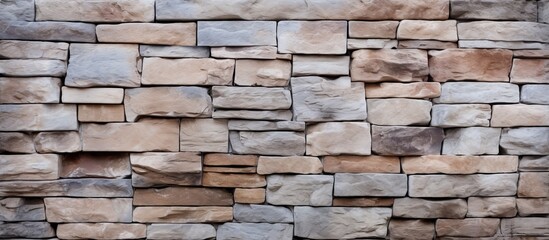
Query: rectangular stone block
point(402, 65)
point(22, 209)
point(268, 143)
point(504, 31)
point(88, 209)
point(353, 43)
point(252, 52)
point(268, 73)
point(303, 65)
point(249, 195)
point(494, 10)
point(422, 208)
point(16, 142)
point(470, 92)
point(518, 115)
point(468, 227)
point(236, 33)
point(530, 71)
point(532, 206)
point(533, 184)
point(38, 117)
point(233, 180)
point(489, 65)
point(370, 184)
point(100, 113)
point(398, 111)
point(311, 190)
point(159, 169)
point(101, 231)
point(204, 71)
point(426, 44)
point(404, 229)
point(183, 34)
point(525, 141)
point(461, 115)
point(362, 202)
point(92, 95)
point(262, 214)
point(59, 142)
point(535, 94)
point(403, 90)
point(173, 51)
point(279, 115)
point(492, 207)
point(83, 187)
point(255, 231)
point(33, 50)
point(105, 165)
point(182, 214)
point(245, 125)
point(47, 31)
point(428, 30)
point(27, 230)
point(95, 11)
point(444, 186)
point(17, 10)
point(534, 226)
point(30, 90)
point(184, 196)
point(374, 29)
point(219, 159)
point(251, 98)
point(447, 164)
point(361, 164)
point(394, 140)
point(294, 164)
point(534, 164)
point(185, 231)
point(501, 44)
point(302, 37)
point(204, 135)
point(336, 138)
point(33, 68)
point(471, 141)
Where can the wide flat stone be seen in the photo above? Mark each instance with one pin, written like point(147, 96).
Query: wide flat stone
point(103, 65)
point(262, 214)
point(92, 95)
point(203, 71)
point(318, 99)
point(142, 136)
point(491, 207)
point(362, 202)
point(476, 92)
point(517, 115)
point(312, 190)
point(22, 209)
point(246, 125)
point(501, 44)
point(422, 208)
point(48, 31)
point(47, 142)
point(236, 33)
point(95, 11)
point(426, 44)
point(268, 143)
point(173, 51)
point(534, 164)
point(251, 52)
point(204, 135)
point(303, 37)
point(183, 34)
point(184, 196)
point(101, 113)
point(33, 67)
point(16, 142)
point(534, 94)
point(494, 10)
point(373, 29)
point(536, 226)
point(22, 10)
point(461, 115)
point(268, 73)
point(233, 180)
point(158, 169)
point(220, 159)
point(417, 229)
point(30, 90)
point(336, 138)
point(249, 195)
point(532, 206)
point(533, 184)
point(402, 65)
point(293, 164)
point(444, 186)
point(398, 111)
point(504, 31)
point(182, 214)
point(26, 230)
point(353, 43)
point(370, 184)
point(341, 222)
point(83, 187)
point(468, 227)
point(361, 164)
point(105, 165)
point(471, 141)
point(403, 90)
point(530, 71)
point(264, 231)
point(101, 231)
point(88, 209)
point(184, 231)
point(278, 115)
point(448, 164)
point(251, 98)
point(395, 140)
point(525, 141)
point(38, 117)
point(490, 65)
point(303, 65)
point(33, 50)
point(428, 30)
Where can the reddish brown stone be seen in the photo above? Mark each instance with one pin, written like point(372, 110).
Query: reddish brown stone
point(252, 195)
point(211, 179)
point(363, 202)
point(220, 159)
point(185, 196)
point(361, 164)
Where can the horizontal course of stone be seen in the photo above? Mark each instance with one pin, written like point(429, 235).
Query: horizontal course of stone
point(274, 120)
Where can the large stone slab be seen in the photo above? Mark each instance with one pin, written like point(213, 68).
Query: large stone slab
point(468, 227)
point(26, 230)
point(402, 65)
point(320, 65)
point(38, 117)
point(167, 102)
point(373, 29)
point(88, 209)
point(83, 187)
point(491, 207)
point(262, 213)
point(403, 90)
point(521, 10)
point(22, 209)
point(268, 143)
point(341, 222)
point(47, 31)
point(33, 67)
point(173, 51)
point(320, 99)
point(289, 9)
point(268, 73)
point(394, 140)
point(264, 231)
point(504, 31)
point(370, 184)
point(517, 115)
point(236, 33)
point(100, 113)
point(525, 141)
point(184, 231)
point(101, 231)
point(336, 138)
point(535, 94)
point(146, 135)
point(30, 90)
point(461, 115)
point(47, 142)
point(95, 11)
point(203, 71)
point(184, 196)
point(204, 135)
point(398, 111)
point(361, 164)
point(293, 164)
point(428, 30)
point(182, 214)
point(471, 141)
point(233, 180)
point(533, 184)
point(312, 190)
point(183, 34)
point(422, 208)
point(473, 92)
point(104, 165)
point(535, 226)
point(417, 229)
point(530, 71)
point(303, 37)
point(447, 164)
point(93, 65)
point(490, 65)
point(158, 169)
point(92, 95)
point(33, 50)
point(246, 125)
point(251, 98)
point(17, 10)
point(441, 186)
point(16, 142)
point(29, 167)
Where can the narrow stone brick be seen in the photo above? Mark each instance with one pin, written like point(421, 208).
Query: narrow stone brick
point(233, 180)
point(320, 65)
point(38, 117)
point(249, 195)
point(253, 52)
point(302, 37)
point(374, 29)
point(518, 115)
point(277, 115)
point(471, 92)
point(398, 111)
point(204, 71)
point(101, 231)
point(183, 34)
point(182, 214)
point(88, 209)
point(106, 165)
point(461, 115)
point(494, 10)
point(353, 44)
point(534, 226)
point(84, 187)
point(403, 90)
point(294, 164)
point(262, 214)
point(174, 51)
point(16, 142)
point(219, 159)
point(33, 68)
point(184, 231)
point(468, 227)
point(491, 65)
point(428, 30)
point(282, 143)
point(312, 190)
point(100, 113)
point(492, 207)
point(459, 164)
point(92, 95)
point(422, 208)
point(525, 141)
point(402, 65)
point(236, 33)
point(95, 11)
point(504, 31)
point(426, 44)
point(260, 98)
point(30, 90)
point(370, 184)
point(245, 125)
point(268, 73)
point(440, 186)
point(184, 196)
point(26, 230)
point(362, 202)
point(534, 164)
point(255, 231)
point(33, 49)
point(361, 164)
point(47, 31)
point(159, 169)
point(46, 142)
point(532, 206)
point(416, 229)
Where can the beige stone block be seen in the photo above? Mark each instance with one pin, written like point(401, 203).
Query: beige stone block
point(504, 31)
point(220, 159)
point(182, 214)
point(373, 29)
point(95, 11)
point(428, 30)
point(399, 111)
point(447, 164)
point(88, 209)
point(32, 67)
point(411, 229)
point(403, 90)
point(105, 165)
point(533, 184)
point(183, 34)
point(469, 227)
point(101, 231)
point(402, 65)
point(294, 164)
point(184, 196)
point(518, 115)
point(46, 142)
point(32, 49)
point(159, 169)
point(444, 186)
point(336, 138)
point(100, 113)
point(491, 207)
point(268, 73)
point(29, 90)
point(204, 135)
point(233, 180)
point(489, 65)
point(530, 71)
point(202, 71)
point(16, 142)
point(29, 167)
point(260, 98)
point(303, 37)
point(281, 143)
point(38, 117)
point(422, 208)
point(361, 164)
point(320, 65)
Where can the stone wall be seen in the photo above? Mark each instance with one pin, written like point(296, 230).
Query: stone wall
point(263, 119)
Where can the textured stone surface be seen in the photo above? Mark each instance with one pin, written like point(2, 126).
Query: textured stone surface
point(46, 142)
point(204, 135)
point(245, 125)
point(335, 138)
point(411, 229)
point(403, 90)
point(394, 140)
point(371, 43)
point(461, 115)
point(362, 202)
point(184, 231)
point(95, 11)
point(438, 186)
point(184, 196)
point(494, 10)
point(101, 231)
point(459, 164)
point(536, 226)
point(428, 30)
point(236, 33)
point(517, 115)
point(262, 213)
point(93, 65)
point(262, 231)
point(374, 29)
point(526, 140)
point(534, 164)
point(471, 141)
point(79, 165)
point(182, 214)
point(535, 94)
point(320, 65)
point(88, 209)
point(32, 67)
point(205, 71)
point(530, 71)
point(38, 117)
point(504, 31)
point(268, 143)
point(469, 227)
point(17, 10)
point(251, 98)
point(370, 184)
point(532, 206)
point(361, 164)
point(47, 31)
point(84, 187)
point(491, 65)
point(234, 180)
point(26, 230)
point(173, 51)
point(151, 169)
point(422, 208)
point(294, 164)
point(269, 73)
point(426, 44)
point(341, 222)
point(501, 44)
point(253, 52)
point(92, 95)
point(148, 33)
point(22, 209)
point(16, 142)
point(472, 92)
point(533, 184)
point(219, 159)
point(254, 115)
point(100, 113)
point(313, 190)
point(253, 195)
point(399, 111)
point(303, 37)
point(402, 65)
point(33, 50)
point(146, 135)
point(491, 207)
point(29, 90)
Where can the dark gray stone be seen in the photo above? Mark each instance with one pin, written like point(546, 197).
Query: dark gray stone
point(406, 140)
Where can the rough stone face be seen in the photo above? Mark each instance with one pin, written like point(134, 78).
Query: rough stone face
point(428, 30)
point(26, 230)
point(100, 113)
point(146, 135)
point(33, 50)
point(525, 226)
point(543, 11)
point(459, 164)
point(530, 71)
point(532, 206)
point(148, 33)
point(320, 65)
point(320, 99)
point(251, 98)
point(93, 65)
point(29, 90)
point(233, 180)
point(47, 31)
point(264, 231)
point(461, 115)
point(184, 196)
point(426, 44)
point(245, 125)
point(17, 10)
point(101, 231)
point(313, 190)
point(402, 65)
point(394, 140)
point(504, 31)
point(84, 187)
point(22, 209)
point(494, 10)
point(182, 214)
point(531, 53)
point(534, 164)
point(280, 115)
point(399, 111)
point(79, 165)
point(411, 229)
point(491, 207)
point(341, 222)
point(268, 143)
point(173, 51)
point(88, 209)
point(16, 142)
point(32, 67)
point(535, 94)
point(38, 117)
point(533, 184)
point(236, 33)
point(361, 164)
point(403, 90)
point(472, 92)
point(184, 231)
point(303, 37)
point(501, 44)
point(95, 11)
point(371, 43)
point(377, 29)
point(46, 142)
point(362, 202)
point(152, 169)
point(253, 52)
point(471, 141)
point(269, 73)
point(440, 186)
point(92, 95)
point(205, 71)
point(204, 135)
point(491, 65)
point(370, 184)
point(469, 227)
point(335, 138)
point(293, 164)
point(262, 214)
point(517, 115)
point(289, 9)
point(219, 159)
point(525, 141)
point(251, 196)
point(421, 208)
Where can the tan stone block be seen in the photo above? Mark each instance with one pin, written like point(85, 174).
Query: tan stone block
point(29, 167)
point(220, 159)
point(353, 43)
point(532, 206)
point(398, 111)
point(303, 37)
point(533, 184)
point(294, 164)
point(310, 190)
point(32, 49)
point(490, 65)
point(88, 209)
point(370, 184)
point(252, 52)
point(234, 180)
point(182, 214)
point(181, 231)
point(411, 229)
point(159, 169)
point(101, 231)
point(530, 71)
point(444, 186)
point(377, 29)
point(459, 164)
point(148, 33)
point(29, 90)
point(269, 73)
point(336, 138)
point(106, 165)
point(303, 65)
point(184, 196)
point(202, 71)
point(95, 11)
point(494, 10)
point(92, 95)
point(504, 31)
point(363, 202)
point(173, 51)
point(249, 195)
point(403, 90)
point(426, 44)
point(100, 113)
point(402, 65)
point(361, 164)
point(492, 207)
point(469, 227)
point(16, 142)
point(246, 125)
point(471, 141)
point(517, 115)
point(260, 98)
point(204, 135)
point(428, 30)
point(46, 142)
point(230, 169)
